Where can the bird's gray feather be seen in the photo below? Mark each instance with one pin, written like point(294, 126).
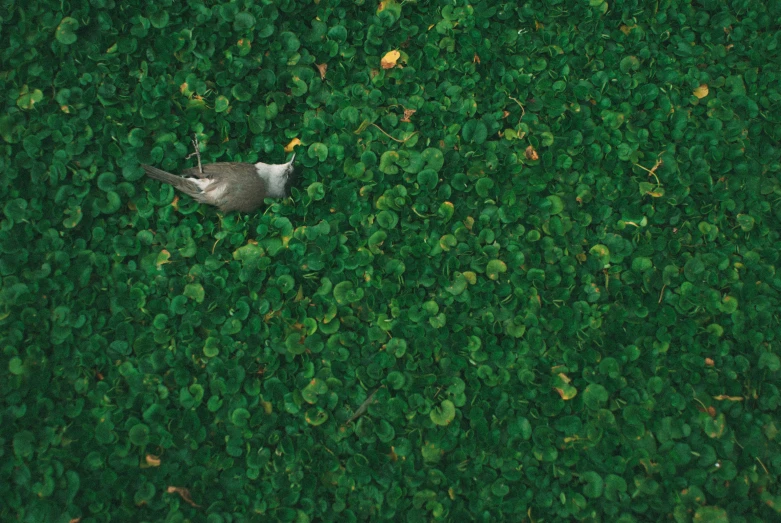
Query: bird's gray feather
point(231, 186)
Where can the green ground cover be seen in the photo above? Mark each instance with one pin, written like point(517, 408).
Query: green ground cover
point(528, 273)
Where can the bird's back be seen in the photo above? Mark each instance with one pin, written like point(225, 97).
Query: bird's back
point(234, 186)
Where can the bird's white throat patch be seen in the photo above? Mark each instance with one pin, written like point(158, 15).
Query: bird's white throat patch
point(275, 176)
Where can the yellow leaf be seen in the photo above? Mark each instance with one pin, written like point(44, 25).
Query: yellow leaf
point(701, 91)
point(567, 393)
point(162, 258)
point(289, 147)
point(722, 397)
point(152, 461)
point(389, 60)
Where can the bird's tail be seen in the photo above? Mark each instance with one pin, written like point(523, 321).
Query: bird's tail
point(183, 184)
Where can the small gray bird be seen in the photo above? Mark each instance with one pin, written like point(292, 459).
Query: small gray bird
point(231, 186)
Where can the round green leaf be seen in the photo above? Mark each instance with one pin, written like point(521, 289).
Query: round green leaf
point(241, 92)
point(221, 104)
point(240, 417)
point(443, 414)
point(595, 396)
point(428, 178)
point(316, 191)
point(23, 444)
point(139, 434)
point(316, 416)
point(602, 253)
point(474, 131)
point(318, 150)
point(195, 292)
point(211, 347)
point(483, 187)
point(746, 222)
point(556, 204)
point(396, 380)
point(159, 19)
point(15, 366)
point(594, 484)
point(66, 31)
point(769, 361)
point(495, 268)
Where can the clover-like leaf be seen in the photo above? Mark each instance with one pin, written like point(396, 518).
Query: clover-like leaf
point(314, 388)
point(221, 104)
point(139, 434)
point(495, 268)
point(27, 99)
point(444, 414)
point(594, 484)
point(195, 292)
point(602, 253)
point(319, 151)
point(316, 416)
point(474, 131)
point(66, 31)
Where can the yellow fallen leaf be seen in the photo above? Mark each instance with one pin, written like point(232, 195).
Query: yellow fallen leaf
point(383, 5)
point(701, 91)
point(389, 60)
point(289, 147)
point(184, 494)
point(162, 258)
point(152, 460)
point(722, 397)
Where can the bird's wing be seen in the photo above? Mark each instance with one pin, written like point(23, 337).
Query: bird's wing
point(242, 192)
point(183, 184)
point(210, 170)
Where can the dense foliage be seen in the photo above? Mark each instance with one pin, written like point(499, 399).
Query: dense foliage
point(528, 274)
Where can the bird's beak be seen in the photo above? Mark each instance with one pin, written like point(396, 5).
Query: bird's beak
point(291, 160)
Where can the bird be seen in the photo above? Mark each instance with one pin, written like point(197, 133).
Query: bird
point(231, 186)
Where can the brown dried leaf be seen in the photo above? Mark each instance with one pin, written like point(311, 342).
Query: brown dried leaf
point(722, 397)
point(407, 114)
point(184, 493)
point(531, 154)
point(389, 60)
point(322, 68)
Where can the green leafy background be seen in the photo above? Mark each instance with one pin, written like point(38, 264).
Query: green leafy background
point(528, 273)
